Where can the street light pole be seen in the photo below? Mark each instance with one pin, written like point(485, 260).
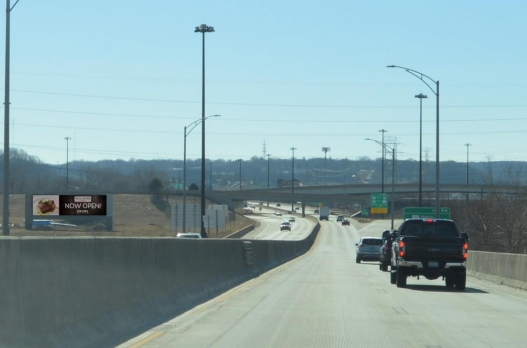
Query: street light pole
point(268, 161)
point(467, 145)
point(67, 162)
point(325, 149)
point(5, 218)
point(421, 77)
point(382, 160)
point(203, 29)
point(185, 133)
point(210, 175)
point(293, 178)
point(392, 150)
point(421, 96)
point(240, 173)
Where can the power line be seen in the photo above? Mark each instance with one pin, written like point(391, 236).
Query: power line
point(264, 104)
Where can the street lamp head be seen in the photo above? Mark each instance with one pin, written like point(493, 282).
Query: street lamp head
point(204, 29)
point(421, 96)
point(390, 66)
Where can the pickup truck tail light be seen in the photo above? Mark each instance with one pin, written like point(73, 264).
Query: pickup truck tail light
point(402, 249)
point(465, 251)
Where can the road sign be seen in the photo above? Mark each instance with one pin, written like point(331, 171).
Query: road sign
point(425, 212)
point(379, 203)
point(319, 204)
point(365, 212)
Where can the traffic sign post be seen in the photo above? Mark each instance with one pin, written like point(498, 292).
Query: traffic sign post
point(425, 212)
point(379, 203)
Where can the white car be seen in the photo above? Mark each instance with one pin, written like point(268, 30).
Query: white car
point(292, 219)
point(189, 235)
point(278, 213)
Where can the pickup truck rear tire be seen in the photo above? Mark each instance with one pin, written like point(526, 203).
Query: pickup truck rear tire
point(461, 281)
point(393, 277)
point(384, 266)
point(401, 278)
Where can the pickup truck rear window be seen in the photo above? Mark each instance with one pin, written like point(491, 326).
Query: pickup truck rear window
point(437, 229)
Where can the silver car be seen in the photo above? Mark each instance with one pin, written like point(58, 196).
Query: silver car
point(368, 249)
point(189, 235)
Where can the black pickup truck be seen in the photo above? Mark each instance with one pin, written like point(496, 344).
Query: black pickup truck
point(431, 248)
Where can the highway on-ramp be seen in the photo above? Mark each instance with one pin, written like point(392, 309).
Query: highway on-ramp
point(325, 299)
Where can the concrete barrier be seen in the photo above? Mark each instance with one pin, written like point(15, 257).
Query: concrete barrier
point(501, 268)
point(96, 292)
point(241, 233)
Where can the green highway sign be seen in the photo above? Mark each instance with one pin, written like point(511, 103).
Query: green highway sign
point(425, 212)
point(379, 203)
point(365, 212)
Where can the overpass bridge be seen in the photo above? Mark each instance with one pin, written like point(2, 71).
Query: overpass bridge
point(352, 194)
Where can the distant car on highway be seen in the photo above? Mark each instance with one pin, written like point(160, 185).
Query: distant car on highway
point(277, 213)
point(345, 222)
point(292, 219)
point(340, 218)
point(189, 235)
point(286, 225)
point(277, 204)
point(369, 249)
point(315, 211)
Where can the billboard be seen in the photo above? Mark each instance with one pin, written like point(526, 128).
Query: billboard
point(69, 205)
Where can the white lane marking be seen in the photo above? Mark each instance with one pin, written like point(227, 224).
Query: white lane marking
point(370, 225)
point(266, 227)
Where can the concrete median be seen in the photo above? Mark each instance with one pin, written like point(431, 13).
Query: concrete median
point(95, 292)
point(501, 268)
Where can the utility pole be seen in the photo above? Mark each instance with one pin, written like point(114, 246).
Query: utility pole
point(382, 159)
point(467, 145)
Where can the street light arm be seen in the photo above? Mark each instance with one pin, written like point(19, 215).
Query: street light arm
point(386, 147)
point(12, 7)
point(197, 122)
point(419, 75)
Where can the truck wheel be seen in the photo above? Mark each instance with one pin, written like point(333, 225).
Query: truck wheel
point(461, 281)
point(449, 281)
point(357, 259)
point(400, 278)
point(384, 266)
point(393, 276)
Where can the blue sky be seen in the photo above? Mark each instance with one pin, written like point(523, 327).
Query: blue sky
point(123, 78)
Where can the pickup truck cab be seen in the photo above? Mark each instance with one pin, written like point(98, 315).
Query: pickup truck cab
point(431, 248)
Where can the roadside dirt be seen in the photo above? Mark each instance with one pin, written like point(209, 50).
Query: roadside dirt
point(135, 216)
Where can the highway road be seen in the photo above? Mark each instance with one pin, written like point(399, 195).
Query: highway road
point(325, 299)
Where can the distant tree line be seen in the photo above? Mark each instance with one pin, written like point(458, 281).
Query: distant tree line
point(496, 221)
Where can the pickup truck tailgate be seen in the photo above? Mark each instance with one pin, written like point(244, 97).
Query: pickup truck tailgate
point(433, 248)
